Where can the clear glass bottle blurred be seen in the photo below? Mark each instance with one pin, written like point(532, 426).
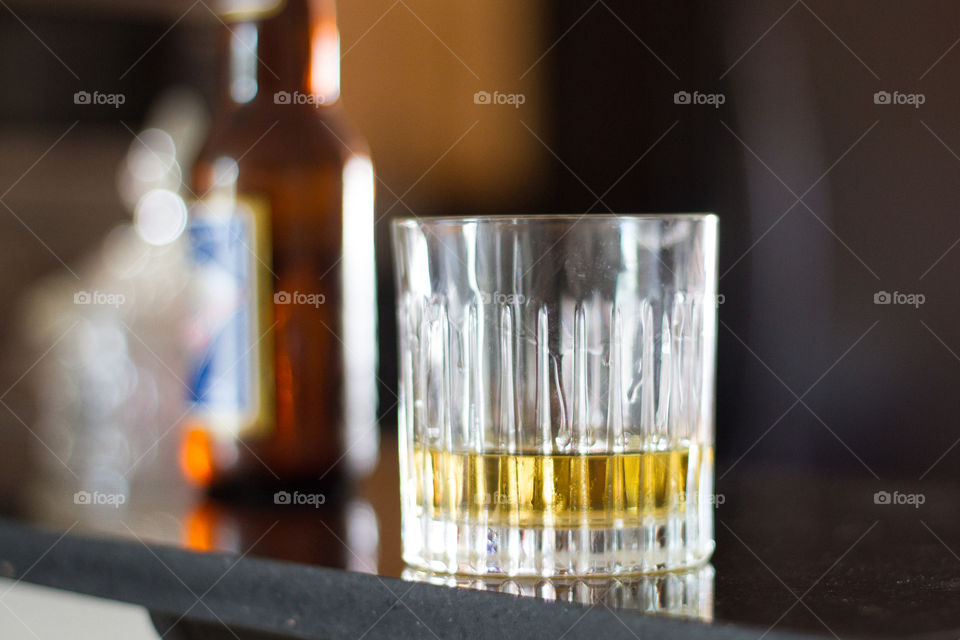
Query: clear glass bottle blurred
point(283, 335)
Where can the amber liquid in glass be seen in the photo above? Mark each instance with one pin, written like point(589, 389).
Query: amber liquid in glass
point(531, 490)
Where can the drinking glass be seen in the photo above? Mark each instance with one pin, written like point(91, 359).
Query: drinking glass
point(556, 392)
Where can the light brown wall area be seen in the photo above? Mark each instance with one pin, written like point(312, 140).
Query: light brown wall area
point(410, 72)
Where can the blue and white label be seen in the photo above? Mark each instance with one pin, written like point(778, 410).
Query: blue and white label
point(226, 370)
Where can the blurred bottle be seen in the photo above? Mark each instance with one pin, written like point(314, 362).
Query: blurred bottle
point(283, 338)
point(107, 374)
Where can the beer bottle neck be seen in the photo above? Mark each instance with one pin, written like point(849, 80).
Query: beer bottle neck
point(290, 55)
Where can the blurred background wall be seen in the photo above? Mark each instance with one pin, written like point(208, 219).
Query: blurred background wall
point(767, 113)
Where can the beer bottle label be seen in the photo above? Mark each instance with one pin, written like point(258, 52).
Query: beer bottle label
point(230, 334)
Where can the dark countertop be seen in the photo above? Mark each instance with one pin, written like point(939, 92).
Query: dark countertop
point(796, 553)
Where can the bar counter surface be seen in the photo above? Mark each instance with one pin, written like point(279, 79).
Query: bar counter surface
point(798, 555)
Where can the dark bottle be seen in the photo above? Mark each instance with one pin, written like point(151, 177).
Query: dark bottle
point(283, 339)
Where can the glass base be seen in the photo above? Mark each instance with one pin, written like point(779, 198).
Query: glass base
point(664, 544)
point(686, 593)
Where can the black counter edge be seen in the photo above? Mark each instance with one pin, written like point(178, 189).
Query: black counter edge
point(304, 601)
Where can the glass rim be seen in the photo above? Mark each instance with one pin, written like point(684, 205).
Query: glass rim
point(422, 221)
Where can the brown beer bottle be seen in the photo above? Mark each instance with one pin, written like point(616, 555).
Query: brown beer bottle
point(282, 334)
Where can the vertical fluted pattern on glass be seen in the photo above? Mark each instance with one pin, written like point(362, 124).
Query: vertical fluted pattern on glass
point(544, 413)
point(555, 409)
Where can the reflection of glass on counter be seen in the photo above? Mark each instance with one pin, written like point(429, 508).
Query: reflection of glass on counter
point(685, 594)
point(341, 534)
